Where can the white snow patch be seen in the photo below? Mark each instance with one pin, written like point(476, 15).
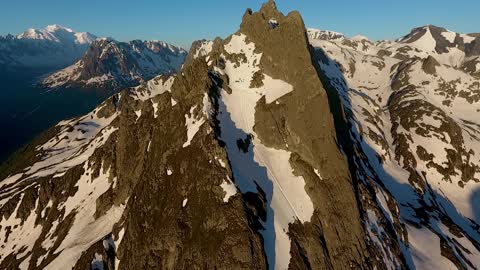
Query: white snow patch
point(10, 180)
point(324, 34)
point(240, 78)
point(63, 151)
point(221, 162)
point(273, 23)
point(155, 109)
point(425, 249)
point(22, 235)
point(98, 79)
point(193, 125)
point(117, 243)
point(450, 36)
point(229, 188)
point(359, 38)
point(97, 262)
point(152, 88)
point(207, 106)
point(204, 49)
point(149, 145)
point(467, 39)
point(184, 203)
point(85, 229)
point(169, 172)
point(138, 114)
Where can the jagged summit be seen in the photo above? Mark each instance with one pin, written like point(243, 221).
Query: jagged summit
point(56, 27)
point(268, 12)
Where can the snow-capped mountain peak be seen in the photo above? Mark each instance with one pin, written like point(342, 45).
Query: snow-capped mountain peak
point(84, 38)
point(423, 37)
point(31, 34)
point(359, 38)
point(57, 27)
point(431, 38)
point(57, 33)
point(52, 47)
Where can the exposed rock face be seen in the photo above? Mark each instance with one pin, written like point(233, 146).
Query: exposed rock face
point(301, 123)
point(412, 133)
point(112, 64)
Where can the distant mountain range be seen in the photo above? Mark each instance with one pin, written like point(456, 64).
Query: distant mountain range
point(37, 61)
point(112, 64)
point(80, 59)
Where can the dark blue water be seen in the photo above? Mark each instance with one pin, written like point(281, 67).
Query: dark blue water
point(26, 110)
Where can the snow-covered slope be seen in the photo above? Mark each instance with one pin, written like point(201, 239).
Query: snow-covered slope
point(109, 63)
point(447, 47)
point(414, 114)
point(54, 46)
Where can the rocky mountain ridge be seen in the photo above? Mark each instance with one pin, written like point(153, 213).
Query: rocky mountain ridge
point(111, 64)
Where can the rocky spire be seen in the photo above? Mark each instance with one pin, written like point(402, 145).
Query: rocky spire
point(302, 123)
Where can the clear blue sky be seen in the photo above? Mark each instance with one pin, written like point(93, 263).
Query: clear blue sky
point(182, 21)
